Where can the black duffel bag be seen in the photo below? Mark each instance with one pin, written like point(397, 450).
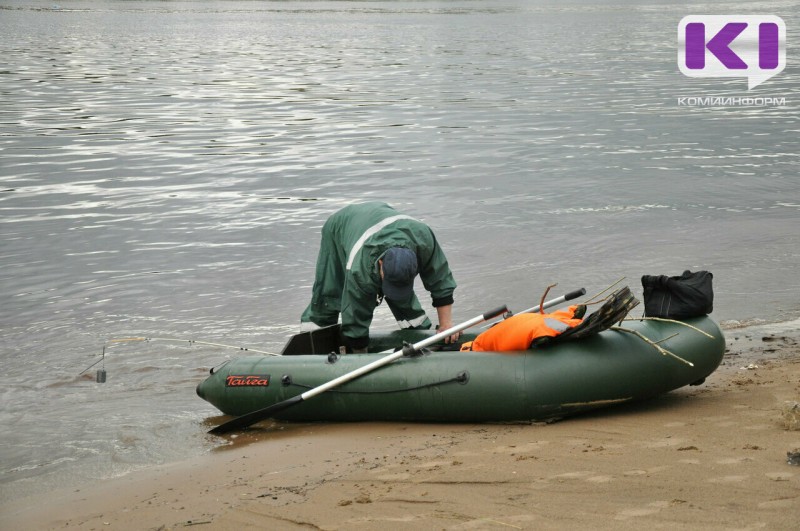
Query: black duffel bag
point(689, 295)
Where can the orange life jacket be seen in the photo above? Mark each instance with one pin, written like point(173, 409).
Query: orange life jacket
point(518, 331)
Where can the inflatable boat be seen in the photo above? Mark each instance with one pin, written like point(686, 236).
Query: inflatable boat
point(639, 360)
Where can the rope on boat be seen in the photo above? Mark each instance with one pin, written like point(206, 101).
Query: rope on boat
point(655, 344)
point(461, 378)
point(669, 321)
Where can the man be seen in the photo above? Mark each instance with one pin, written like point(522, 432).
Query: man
point(371, 252)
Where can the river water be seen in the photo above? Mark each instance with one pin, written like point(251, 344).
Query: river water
point(166, 166)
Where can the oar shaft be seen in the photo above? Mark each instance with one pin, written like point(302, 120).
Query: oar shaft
point(352, 375)
point(439, 336)
point(555, 302)
point(552, 302)
point(400, 353)
point(458, 328)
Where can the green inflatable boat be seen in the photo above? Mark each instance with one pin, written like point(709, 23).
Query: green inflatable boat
point(648, 358)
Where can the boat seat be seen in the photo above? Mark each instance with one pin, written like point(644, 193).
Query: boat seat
point(320, 341)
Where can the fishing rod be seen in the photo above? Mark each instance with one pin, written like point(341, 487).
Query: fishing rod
point(101, 373)
point(190, 341)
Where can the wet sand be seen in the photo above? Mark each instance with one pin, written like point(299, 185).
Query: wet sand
point(710, 457)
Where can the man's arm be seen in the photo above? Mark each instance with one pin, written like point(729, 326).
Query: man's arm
point(445, 314)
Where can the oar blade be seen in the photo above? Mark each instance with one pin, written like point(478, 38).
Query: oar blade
point(247, 420)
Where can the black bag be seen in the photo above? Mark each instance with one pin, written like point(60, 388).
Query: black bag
point(689, 295)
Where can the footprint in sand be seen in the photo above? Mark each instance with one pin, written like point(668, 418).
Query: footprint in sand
point(402, 476)
point(733, 460)
point(779, 476)
point(520, 448)
point(640, 472)
point(714, 419)
point(650, 508)
point(664, 443)
point(600, 479)
point(433, 465)
point(728, 479)
point(758, 427)
point(573, 475)
point(779, 504)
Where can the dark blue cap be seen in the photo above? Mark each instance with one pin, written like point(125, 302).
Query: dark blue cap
point(399, 270)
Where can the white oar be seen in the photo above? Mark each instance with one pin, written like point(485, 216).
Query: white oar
point(555, 302)
point(408, 350)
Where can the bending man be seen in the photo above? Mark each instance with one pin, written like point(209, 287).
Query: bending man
point(371, 252)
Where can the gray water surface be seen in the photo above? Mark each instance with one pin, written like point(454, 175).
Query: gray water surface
point(165, 168)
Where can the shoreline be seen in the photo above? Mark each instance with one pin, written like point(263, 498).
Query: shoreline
point(712, 456)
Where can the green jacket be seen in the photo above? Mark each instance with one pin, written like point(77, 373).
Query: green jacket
point(348, 278)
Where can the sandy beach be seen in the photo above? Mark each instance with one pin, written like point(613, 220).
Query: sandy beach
point(710, 457)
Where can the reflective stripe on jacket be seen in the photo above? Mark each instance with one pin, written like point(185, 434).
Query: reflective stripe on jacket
point(519, 331)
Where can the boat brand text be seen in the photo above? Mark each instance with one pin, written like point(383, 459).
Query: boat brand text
point(248, 380)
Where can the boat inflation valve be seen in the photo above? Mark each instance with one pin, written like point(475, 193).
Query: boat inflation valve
point(462, 377)
point(286, 379)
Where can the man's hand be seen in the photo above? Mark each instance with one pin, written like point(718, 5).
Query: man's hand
point(445, 314)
